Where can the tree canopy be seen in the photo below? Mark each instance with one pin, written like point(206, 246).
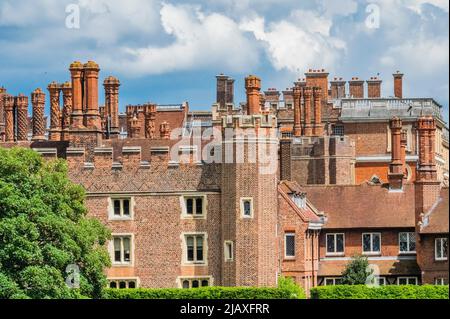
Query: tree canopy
point(44, 229)
point(356, 272)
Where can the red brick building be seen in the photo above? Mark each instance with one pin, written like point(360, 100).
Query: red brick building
point(244, 193)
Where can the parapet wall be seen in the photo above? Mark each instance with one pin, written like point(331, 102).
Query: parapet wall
point(126, 172)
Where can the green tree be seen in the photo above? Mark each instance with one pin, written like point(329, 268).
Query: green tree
point(356, 271)
point(44, 228)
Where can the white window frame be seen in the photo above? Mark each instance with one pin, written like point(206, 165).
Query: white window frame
point(331, 278)
point(436, 257)
point(112, 216)
point(180, 280)
point(381, 279)
point(184, 250)
point(439, 281)
point(408, 279)
point(126, 279)
point(371, 252)
point(194, 215)
point(228, 252)
point(112, 252)
point(335, 253)
point(408, 236)
point(244, 199)
point(289, 234)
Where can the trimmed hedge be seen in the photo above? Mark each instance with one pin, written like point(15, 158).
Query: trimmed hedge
point(201, 293)
point(287, 289)
point(382, 292)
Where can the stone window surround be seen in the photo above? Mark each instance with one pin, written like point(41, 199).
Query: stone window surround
point(242, 200)
point(408, 251)
point(371, 238)
point(111, 250)
point(180, 279)
point(111, 215)
point(117, 279)
point(184, 261)
point(185, 215)
point(335, 253)
point(225, 247)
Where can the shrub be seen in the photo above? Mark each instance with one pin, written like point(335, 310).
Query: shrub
point(355, 273)
point(382, 292)
point(287, 290)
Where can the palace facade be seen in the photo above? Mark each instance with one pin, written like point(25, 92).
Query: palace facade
point(289, 183)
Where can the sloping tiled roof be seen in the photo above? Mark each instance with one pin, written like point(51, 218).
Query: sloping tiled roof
point(308, 213)
point(363, 206)
point(438, 216)
point(386, 267)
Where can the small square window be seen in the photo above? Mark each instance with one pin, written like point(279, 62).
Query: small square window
point(407, 281)
point(247, 207)
point(441, 248)
point(122, 283)
point(228, 250)
point(335, 243)
point(121, 208)
point(371, 243)
point(407, 242)
point(193, 207)
point(195, 282)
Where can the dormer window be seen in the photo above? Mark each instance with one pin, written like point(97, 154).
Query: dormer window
point(375, 180)
point(299, 200)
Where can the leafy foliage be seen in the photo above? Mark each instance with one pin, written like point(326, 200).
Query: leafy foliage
point(355, 273)
point(44, 228)
point(381, 292)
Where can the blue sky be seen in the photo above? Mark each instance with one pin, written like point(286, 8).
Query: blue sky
point(170, 51)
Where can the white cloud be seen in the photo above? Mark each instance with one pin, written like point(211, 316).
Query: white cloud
point(421, 56)
point(297, 46)
point(199, 40)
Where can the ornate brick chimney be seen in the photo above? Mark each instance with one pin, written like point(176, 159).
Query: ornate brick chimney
point(297, 111)
point(356, 87)
point(403, 144)
point(135, 127)
point(374, 87)
point(21, 102)
point(221, 90)
point(426, 127)
point(318, 128)
point(230, 91)
point(55, 110)
point(253, 87)
point(38, 102)
point(337, 88)
point(395, 175)
point(150, 116)
point(8, 105)
point(398, 84)
point(76, 73)
point(164, 130)
point(318, 78)
point(111, 85)
point(2, 115)
point(92, 116)
point(307, 92)
point(66, 89)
